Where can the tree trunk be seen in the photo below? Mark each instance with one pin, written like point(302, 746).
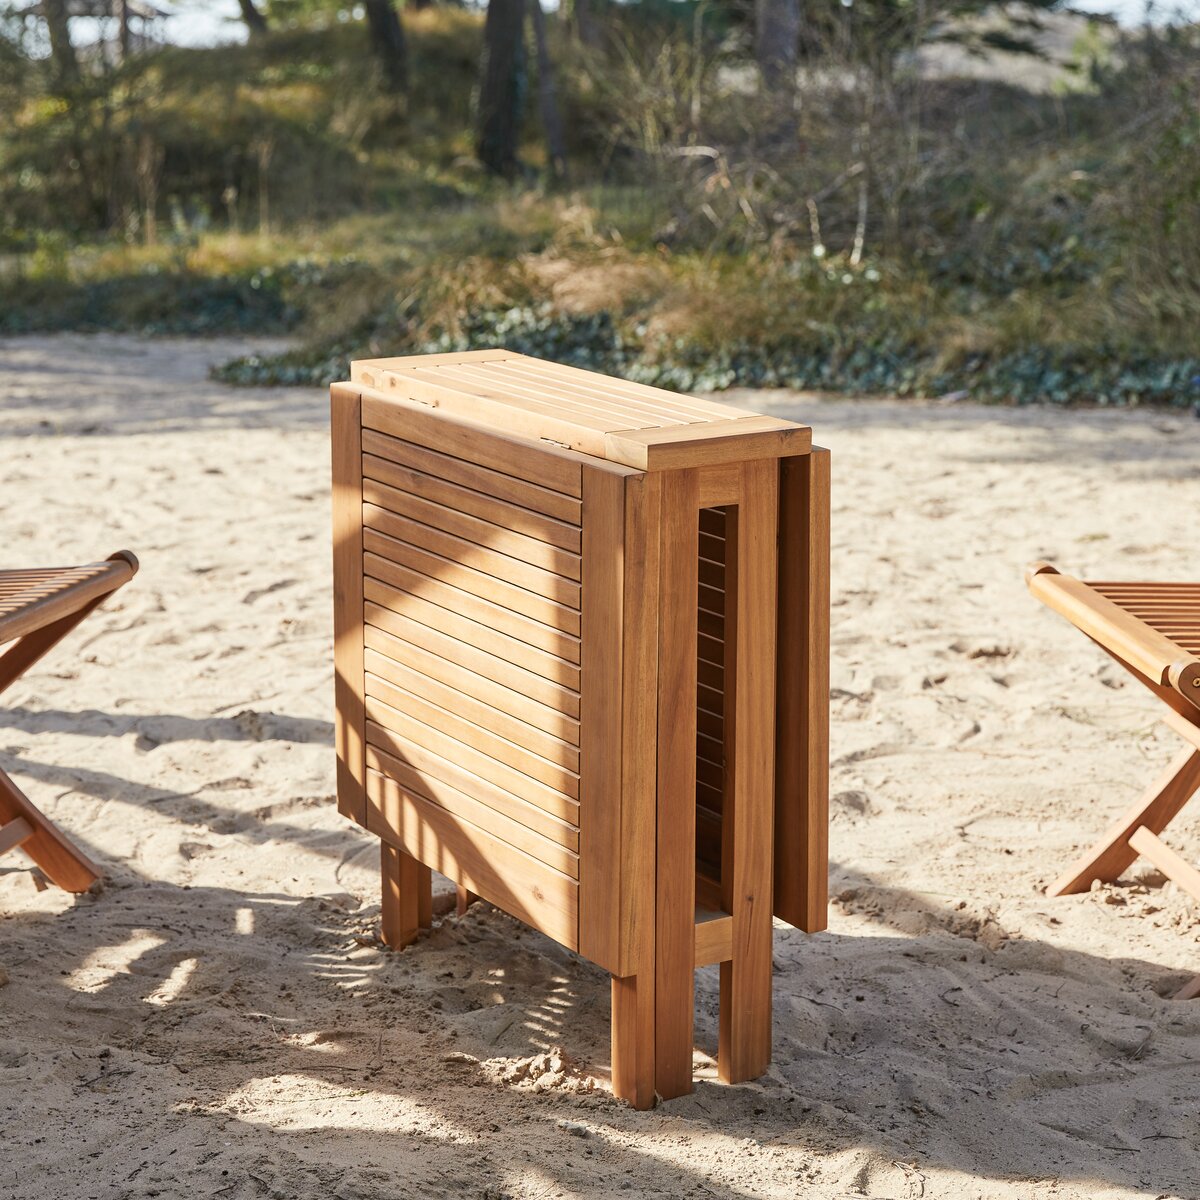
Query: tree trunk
point(62, 51)
point(501, 87)
point(256, 23)
point(583, 22)
point(776, 41)
point(556, 150)
point(389, 44)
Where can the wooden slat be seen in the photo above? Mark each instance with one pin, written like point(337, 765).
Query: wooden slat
point(451, 672)
point(536, 462)
point(395, 602)
point(435, 771)
point(407, 739)
point(485, 507)
point(463, 704)
point(708, 444)
point(459, 804)
point(1113, 626)
point(1155, 809)
point(13, 833)
point(476, 477)
point(566, 399)
point(33, 602)
point(412, 545)
point(506, 877)
point(382, 624)
point(472, 531)
point(1176, 869)
point(384, 699)
point(677, 770)
point(714, 938)
point(350, 715)
point(704, 409)
point(646, 409)
point(504, 620)
point(802, 696)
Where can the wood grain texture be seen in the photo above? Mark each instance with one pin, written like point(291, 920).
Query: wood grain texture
point(600, 724)
point(1155, 809)
point(744, 1038)
point(474, 476)
point(349, 710)
point(801, 867)
point(403, 907)
point(676, 850)
point(506, 877)
point(633, 995)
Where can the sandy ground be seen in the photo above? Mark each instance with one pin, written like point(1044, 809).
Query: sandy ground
point(221, 1021)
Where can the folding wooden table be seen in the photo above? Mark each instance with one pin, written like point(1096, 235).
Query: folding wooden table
point(582, 670)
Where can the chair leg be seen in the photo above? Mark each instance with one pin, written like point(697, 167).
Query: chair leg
point(1156, 808)
point(63, 863)
point(407, 904)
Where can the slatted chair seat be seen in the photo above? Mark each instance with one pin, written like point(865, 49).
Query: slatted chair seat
point(1153, 631)
point(38, 608)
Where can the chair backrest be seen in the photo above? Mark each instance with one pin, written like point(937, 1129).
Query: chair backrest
point(31, 599)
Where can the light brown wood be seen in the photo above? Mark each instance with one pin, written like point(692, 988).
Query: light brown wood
point(464, 704)
point(1181, 873)
point(708, 444)
point(404, 908)
point(474, 477)
point(483, 506)
point(567, 671)
point(504, 876)
point(551, 467)
point(475, 568)
point(385, 699)
point(348, 682)
point(435, 770)
point(633, 994)
point(38, 608)
point(675, 938)
point(600, 712)
point(464, 602)
point(401, 778)
point(1137, 624)
point(801, 868)
point(384, 629)
point(473, 530)
point(508, 700)
point(744, 1046)
point(390, 607)
point(714, 938)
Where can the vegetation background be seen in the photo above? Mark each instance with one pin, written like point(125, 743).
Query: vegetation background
point(920, 197)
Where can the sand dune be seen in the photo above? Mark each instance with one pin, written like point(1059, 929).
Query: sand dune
point(221, 1021)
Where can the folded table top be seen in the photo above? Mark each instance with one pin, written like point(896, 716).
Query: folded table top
point(630, 423)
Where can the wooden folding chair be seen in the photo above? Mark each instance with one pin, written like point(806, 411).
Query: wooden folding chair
point(38, 608)
point(1153, 631)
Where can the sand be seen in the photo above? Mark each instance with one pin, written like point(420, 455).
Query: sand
point(220, 1020)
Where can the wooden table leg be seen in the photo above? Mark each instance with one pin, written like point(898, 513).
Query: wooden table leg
point(675, 911)
point(407, 897)
point(744, 1042)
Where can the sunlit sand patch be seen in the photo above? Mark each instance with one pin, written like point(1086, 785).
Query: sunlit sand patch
point(174, 985)
point(105, 963)
point(299, 1102)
